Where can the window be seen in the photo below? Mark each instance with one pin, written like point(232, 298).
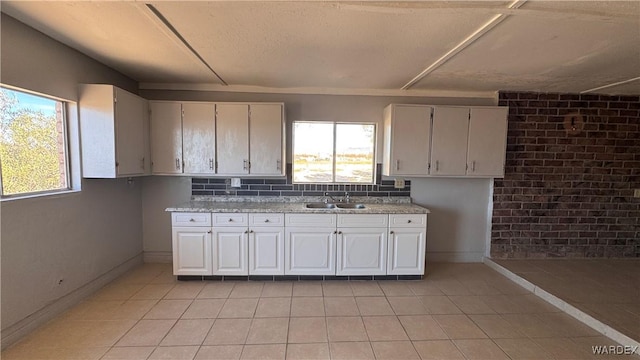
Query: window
point(328, 152)
point(33, 144)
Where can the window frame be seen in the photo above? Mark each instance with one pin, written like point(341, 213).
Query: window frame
point(334, 157)
point(71, 186)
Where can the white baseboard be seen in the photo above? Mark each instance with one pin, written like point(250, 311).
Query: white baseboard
point(567, 308)
point(164, 257)
point(23, 327)
point(455, 256)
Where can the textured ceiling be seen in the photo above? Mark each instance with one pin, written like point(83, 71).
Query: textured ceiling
point(355, 47)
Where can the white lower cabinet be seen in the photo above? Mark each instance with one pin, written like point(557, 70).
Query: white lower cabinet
point(407, 244)
point(362, 244)
point(229, 244)
point(266, 244)
point(191, 241)
point(233, 244)
point(310, 251)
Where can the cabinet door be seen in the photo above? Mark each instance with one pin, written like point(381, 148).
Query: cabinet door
point(266, 251)
point(407, 140)
point(265, 139)
point(198, 138)
point(361, 251)
point(232, 128)
point(130, 111)
point(166, 137)
point(230, 251)
point(191, 250)
point(449, 141)
point(406, 251)
point(310, 251)
point(487, 142)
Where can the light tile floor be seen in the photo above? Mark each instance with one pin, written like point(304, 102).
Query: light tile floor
point(460, 311)
point(607, 289)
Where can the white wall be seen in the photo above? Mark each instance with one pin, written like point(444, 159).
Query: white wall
point(78, 236)
point(456, 227)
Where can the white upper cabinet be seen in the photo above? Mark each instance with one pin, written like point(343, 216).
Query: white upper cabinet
point(407, 138)
point(250, 139)
point(232, 121)
point(449, 141)
point(114, 132)
point(266, 135)
point(166, 137)
point(487, 141)
point(198, 138)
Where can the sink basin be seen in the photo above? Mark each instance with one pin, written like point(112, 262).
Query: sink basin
point(320, 206)
point(350, 206)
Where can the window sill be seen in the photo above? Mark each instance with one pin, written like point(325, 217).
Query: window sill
point(48, 194)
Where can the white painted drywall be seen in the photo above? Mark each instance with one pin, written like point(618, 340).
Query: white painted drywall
point(458, 222)
point(456, 227)
point(77, 236)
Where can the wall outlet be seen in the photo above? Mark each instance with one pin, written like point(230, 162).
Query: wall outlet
point(636, 193)
point(398, 184)
point(235, 182)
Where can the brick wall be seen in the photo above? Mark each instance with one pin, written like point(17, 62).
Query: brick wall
point(569, 195)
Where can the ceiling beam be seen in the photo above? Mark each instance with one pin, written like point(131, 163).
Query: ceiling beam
point(497, 19)
point(164, 21)
point(610, 85)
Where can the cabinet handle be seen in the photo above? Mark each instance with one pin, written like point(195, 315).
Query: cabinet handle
point(335, 232)
point(210, 164)
point(246, 231)
point(251, 231)
point(397, 164)
point(437, 165)
point(391, 232)
point(230, 220)
point(209, 232)
point(266, 220)
point(192, 220)
point(177, 164)
point(245, 165)
point(142, 165)
point(408, 221)
point(473, 166)
point(340, 232)
point(278, 165)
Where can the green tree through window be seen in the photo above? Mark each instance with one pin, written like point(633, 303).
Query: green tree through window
point(33, 152)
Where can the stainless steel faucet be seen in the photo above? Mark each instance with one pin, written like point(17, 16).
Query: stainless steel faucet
point(346, 198)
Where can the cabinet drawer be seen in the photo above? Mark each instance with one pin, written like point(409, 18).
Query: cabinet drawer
point(407, 220)
point(310, 220)
point(190, 219)
point(363, 220)
point(266, 219)
point(230, 219)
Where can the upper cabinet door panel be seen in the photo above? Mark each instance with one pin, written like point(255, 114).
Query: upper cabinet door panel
point(166, 137)
point(487, 141)
point(198, 138)
point(130, 112)
point(409, 140)
point(232, 126)
point(449, 141)
point(265, 142)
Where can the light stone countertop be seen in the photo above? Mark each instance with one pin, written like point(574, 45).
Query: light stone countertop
point(297, 205)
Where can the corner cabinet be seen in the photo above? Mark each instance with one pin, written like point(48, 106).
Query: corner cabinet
point(447, 141)
point(114, 126)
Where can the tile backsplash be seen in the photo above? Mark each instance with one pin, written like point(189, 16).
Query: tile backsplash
point(285, 187)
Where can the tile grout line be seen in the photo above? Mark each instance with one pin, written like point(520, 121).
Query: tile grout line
point(564, 306)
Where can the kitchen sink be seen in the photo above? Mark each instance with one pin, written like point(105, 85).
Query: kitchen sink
point(320, 206)
point(350, 206)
